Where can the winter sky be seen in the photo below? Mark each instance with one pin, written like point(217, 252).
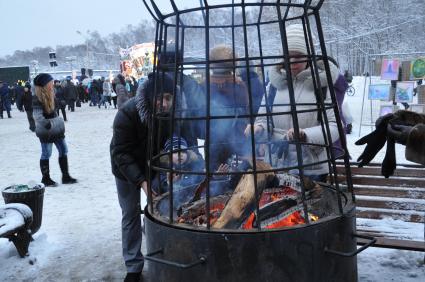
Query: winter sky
point(31, 23)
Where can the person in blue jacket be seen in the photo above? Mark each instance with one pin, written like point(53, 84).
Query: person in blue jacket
point(5, 100)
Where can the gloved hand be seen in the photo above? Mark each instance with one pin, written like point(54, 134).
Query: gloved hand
point(48, 125)
point(279, 148)
point(399, 133)
point(389, 163)
point(375, 140)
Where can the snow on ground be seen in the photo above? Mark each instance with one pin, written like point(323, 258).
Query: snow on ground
point(80, 238)
point(80, 235)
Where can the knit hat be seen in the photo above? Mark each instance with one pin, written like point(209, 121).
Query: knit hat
point(42, 79)
point(169, 56)
point(296, 39)
point(164, 83)
point(221, 52)
point(175, 143)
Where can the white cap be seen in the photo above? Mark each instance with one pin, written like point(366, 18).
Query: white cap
point(296, 40)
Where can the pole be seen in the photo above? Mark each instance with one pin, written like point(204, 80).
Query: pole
point(87, 46)
point(361, 115)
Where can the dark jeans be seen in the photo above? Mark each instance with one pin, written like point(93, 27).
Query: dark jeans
point(114, 100)
point(4, 105)
point(62, 109)
point(31, 120)
point(131, 225)
point(71, 105)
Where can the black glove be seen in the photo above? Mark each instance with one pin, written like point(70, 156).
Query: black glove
point(389, 163)
point(375, 140)
point(279, 148)
point(399, 133)
point(48, 125)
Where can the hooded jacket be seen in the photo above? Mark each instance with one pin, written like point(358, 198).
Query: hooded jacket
point(303, 93)
point(70, 91)
point(122, 94)
point(129, 144)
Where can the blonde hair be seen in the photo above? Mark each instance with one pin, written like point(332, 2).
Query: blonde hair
point(46, 96)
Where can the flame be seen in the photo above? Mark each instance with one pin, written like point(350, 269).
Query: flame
point(294, 218)
point(313, 217)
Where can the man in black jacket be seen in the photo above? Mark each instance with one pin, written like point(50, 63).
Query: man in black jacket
point(60, 99)
point(71, 95)
point(129, 157)
point(27, 105)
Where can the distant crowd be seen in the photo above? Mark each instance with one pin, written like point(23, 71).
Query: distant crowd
point(69, 94)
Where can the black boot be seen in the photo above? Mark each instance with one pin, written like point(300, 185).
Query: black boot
point(133, 277)
point(66, 178)
point(8, 115)
point(46, 180)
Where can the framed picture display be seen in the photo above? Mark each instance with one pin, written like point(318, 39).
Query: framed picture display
point(404, 91)
point(389, 69)
point(387, 109)
point(379, 92)
point(417, 68)
point(417, 108)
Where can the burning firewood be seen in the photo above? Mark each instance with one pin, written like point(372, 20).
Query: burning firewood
point(190, 211)
point(241, 204)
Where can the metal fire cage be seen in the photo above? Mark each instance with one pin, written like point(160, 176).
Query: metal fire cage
point(247, 27)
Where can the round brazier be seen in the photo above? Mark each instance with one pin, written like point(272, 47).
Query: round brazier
point(295, 254)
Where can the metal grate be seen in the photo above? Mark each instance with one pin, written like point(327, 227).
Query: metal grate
point(255, 32)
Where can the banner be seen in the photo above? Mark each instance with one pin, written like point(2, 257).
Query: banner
point(142, 59)
point(125, 67)
point(13, 74)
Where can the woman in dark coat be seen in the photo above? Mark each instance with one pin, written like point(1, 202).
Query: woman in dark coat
point(27, 104)
point(49, 128)
point(118, 85)
point(129, 147)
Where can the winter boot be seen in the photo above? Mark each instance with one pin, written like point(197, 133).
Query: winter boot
point(46, 180)
point(66, 178)
point(133, 277)
point(8, 115)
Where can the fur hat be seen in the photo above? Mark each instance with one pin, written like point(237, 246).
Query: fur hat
point(296, 39)
point(42, 79)
point(218, 53)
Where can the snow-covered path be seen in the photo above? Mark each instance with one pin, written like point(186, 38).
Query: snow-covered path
point(80, 235)
point(80, 238)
